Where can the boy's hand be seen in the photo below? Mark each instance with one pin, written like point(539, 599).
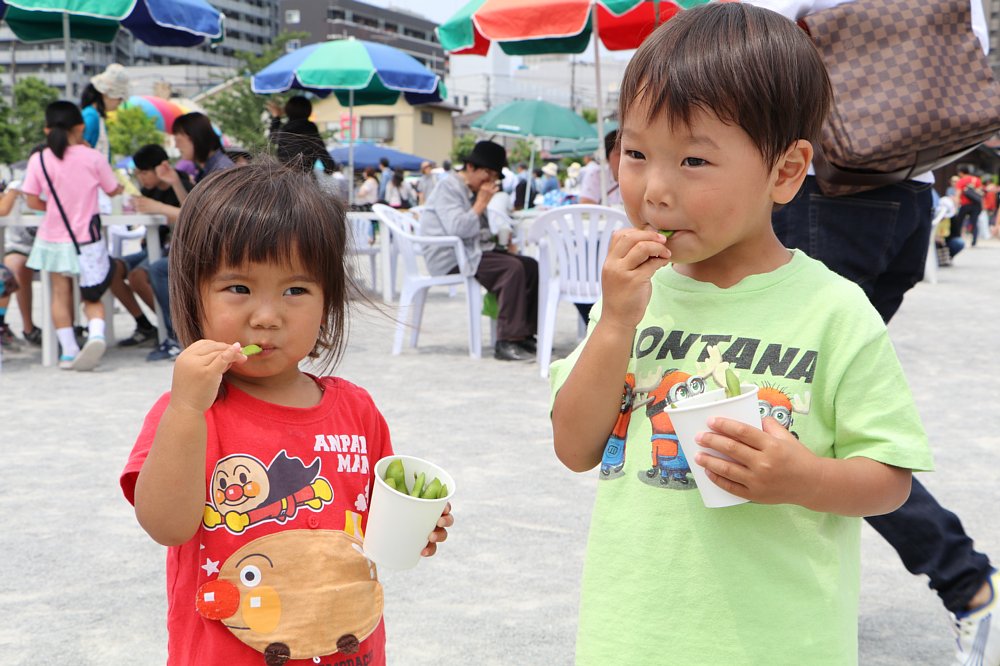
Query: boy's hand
point(198, 373)
point(147, 206)
point(633, 257)
point(440, 533)
point(768, 467)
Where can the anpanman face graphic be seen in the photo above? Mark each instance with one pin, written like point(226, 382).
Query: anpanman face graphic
point(239, 482)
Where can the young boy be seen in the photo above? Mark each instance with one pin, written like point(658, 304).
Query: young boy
point(711, 140)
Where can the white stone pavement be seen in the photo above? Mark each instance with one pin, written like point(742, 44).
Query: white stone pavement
point(80, 583)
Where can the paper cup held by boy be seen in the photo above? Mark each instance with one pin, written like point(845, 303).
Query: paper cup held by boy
point(691, 416)
point(398, 524)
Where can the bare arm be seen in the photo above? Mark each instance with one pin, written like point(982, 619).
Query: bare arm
point(34, 202)
point(170, 488)
point(771, 466)
point(587, 405)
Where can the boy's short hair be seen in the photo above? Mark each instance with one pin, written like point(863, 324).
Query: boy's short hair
point(749, 66)
point(261, 212)
point(149, 157)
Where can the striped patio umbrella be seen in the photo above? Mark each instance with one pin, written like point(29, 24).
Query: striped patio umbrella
point(524, 27)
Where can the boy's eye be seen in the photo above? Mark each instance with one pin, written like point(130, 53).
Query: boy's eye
point(634, 154)
point(238, 289)
point(694, 162)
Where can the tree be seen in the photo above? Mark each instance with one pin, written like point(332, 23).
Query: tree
point(519, 152)
point(462, 146)
point(31, 96)
point(236, 109)
point(588, 114)
point(131, 129)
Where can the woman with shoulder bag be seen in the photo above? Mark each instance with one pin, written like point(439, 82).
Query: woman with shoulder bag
point(69, 173)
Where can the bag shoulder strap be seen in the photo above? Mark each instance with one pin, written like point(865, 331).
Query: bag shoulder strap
point(52, 191)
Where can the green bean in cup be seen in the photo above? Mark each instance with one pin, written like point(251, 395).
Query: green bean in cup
point(665, 233)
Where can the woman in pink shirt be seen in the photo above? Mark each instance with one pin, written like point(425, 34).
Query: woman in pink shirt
point(69, 173)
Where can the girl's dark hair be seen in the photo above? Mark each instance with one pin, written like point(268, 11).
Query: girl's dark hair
point(397, 178)
point(370, 173)
point(261, 212)
point(197, 127)
point(91, 96)
point(298, 108)
point(748, 66)
point(60, 118)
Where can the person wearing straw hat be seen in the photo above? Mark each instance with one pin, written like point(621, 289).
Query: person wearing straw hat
point(457, 207)
point(103, 94)
point(550, 181)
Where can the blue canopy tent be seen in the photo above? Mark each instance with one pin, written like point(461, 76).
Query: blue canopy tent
point(369, 154)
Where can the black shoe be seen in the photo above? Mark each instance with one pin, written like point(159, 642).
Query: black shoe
point(34, 336)
point(529, 345)
point(140, 336)
point(507, 350)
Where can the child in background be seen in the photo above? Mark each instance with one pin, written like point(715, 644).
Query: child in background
point(8, 281)
point(69, 238)
point(255, 474)
point(718, 108)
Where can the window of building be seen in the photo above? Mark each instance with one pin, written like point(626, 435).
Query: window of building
point(391, 27)
point(426, 118)
point(416, 34)
point(378, 128)
point(365, 21)
point(293, 45)
point(336, 14)
point(293, 16)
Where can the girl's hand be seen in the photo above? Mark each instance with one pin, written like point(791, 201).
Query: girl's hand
point(440, 533)
point(633, 257)
point(198, 373)
point(769, 466)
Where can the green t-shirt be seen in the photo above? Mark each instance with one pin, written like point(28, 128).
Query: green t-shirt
point(667, 580)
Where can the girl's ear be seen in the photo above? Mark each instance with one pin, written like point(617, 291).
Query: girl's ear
point(790, 171)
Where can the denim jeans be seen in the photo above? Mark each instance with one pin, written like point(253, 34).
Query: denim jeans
point(158, 280)
point(879, 240)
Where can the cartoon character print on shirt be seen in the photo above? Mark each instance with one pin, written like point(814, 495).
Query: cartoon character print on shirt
point(298, 594)
point(778, 404)
point(613, 459)
point(245, 492)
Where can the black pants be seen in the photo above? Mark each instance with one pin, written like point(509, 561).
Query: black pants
point(878, 239)
point(967, 213)
point(514, 279)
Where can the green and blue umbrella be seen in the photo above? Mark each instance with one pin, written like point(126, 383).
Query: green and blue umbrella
point(154, 22)
point(358, 72)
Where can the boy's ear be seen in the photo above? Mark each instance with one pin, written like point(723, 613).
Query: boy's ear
point(791, 170)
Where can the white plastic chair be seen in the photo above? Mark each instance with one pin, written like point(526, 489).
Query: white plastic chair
point(572, 245)
point(362, 241)
point(407, 240)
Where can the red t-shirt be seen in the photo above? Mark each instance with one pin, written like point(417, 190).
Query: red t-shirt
point(964, 182)
point(277, 556)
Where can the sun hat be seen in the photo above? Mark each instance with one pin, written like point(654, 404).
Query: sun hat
point(488, 155)
point(112, 82)
point(573, 170)
point(550, 169)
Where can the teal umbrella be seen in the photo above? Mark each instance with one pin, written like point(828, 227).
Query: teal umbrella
point(534, 119)
point(581, 147)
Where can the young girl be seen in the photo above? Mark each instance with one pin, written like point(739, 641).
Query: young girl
point(256, 474)
point(75, 174)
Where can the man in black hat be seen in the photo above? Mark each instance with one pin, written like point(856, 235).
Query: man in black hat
point(457, 207)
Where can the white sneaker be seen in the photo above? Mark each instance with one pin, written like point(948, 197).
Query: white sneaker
point(978, 642)
point(91, 353)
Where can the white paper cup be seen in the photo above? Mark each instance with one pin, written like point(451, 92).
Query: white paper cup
point(398, 525)
point(691, 416)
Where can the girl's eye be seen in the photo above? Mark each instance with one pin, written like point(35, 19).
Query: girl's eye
point(238, 289)
point(296, 291)
point(694, 162)
point(634, 154)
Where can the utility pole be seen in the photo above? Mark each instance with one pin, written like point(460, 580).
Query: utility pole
point(572, 83)
point(489, 104)
point(13, 72)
